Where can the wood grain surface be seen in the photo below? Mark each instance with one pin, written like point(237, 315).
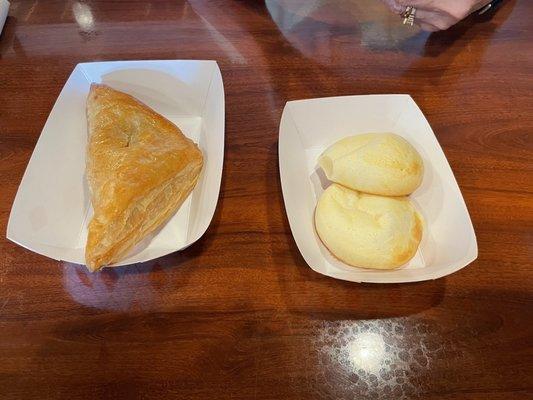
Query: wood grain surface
point(239, 315)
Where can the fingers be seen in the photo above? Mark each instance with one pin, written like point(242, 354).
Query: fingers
point(458, 9)
point(428, 4)
point(428, 16)
point(427, 27)
point(437, 20)
point(394, 6)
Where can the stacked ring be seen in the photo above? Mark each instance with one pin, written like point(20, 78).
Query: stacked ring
point(409, 15)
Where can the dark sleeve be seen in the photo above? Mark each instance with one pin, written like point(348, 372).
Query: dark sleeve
point(493, 5)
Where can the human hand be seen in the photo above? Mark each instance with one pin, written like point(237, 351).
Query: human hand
point(437, 15)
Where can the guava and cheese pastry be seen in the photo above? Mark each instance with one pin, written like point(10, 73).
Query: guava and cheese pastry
point(377, 163)
point(140, 169)
point(365, 230)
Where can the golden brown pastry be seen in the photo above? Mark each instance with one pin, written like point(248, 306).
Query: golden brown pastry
point(140, 169)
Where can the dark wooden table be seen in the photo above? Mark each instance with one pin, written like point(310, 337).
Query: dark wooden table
point(239, 315)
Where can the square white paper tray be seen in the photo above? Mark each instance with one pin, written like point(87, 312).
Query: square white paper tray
point(308, 127)
point(52, 207)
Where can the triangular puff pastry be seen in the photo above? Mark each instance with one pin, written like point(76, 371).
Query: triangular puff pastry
point(140, 169)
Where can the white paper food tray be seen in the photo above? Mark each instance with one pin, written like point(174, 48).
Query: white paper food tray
point(52, 207)
point(4, 10)
point(308, 127)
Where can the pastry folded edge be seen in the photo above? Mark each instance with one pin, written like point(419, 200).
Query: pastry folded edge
point(97, 258)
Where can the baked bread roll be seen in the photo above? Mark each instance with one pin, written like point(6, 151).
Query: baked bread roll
point(366, 230)
point(377, 163)
point(140, 168)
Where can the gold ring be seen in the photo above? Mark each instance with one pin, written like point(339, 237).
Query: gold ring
point(409, 15)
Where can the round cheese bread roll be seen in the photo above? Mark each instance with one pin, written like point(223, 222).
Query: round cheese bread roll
point(378, 163)
point(366, 230)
